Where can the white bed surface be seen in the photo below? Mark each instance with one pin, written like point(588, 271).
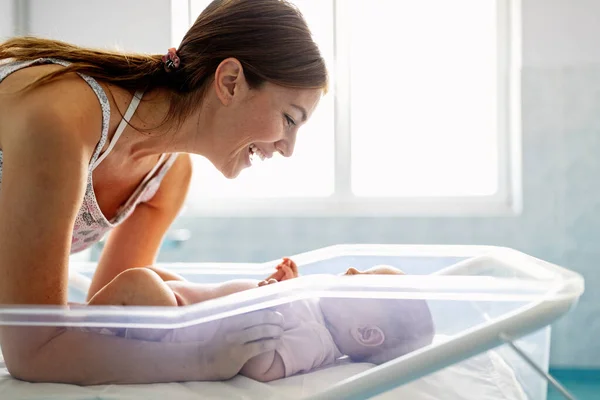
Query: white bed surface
point(485, 376)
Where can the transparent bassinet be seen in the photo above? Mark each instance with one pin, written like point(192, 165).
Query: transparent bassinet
point(480, 298)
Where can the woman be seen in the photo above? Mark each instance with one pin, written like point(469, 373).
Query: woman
point(93, 141)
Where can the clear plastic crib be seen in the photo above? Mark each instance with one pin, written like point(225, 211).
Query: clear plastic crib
point(480, 298)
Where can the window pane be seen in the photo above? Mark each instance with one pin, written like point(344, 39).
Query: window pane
point(309, 173)
point(424, 97)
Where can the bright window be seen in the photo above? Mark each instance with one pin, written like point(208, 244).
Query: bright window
point(424, 98)
point(420, 117)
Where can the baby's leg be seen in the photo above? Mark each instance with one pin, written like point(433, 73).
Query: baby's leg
point(137, 287)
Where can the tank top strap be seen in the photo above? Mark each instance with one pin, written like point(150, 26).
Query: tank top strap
point(133, 105)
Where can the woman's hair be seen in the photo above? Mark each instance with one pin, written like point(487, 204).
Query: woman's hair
point(268, 37)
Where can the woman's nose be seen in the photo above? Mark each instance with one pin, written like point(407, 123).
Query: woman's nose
point(286, 147)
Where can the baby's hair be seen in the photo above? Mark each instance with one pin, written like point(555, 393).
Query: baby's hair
point(409, 327)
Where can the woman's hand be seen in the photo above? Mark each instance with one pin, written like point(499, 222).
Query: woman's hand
point(238, 339)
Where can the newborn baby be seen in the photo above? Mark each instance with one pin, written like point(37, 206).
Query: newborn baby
point(319, 331)
point(316, 331)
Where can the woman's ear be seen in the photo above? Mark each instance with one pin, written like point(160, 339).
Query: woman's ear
point(229, 80)
point(368, 335)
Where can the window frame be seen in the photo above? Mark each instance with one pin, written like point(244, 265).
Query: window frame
point(343, 203)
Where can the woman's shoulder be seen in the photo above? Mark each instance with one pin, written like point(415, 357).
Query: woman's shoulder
point(18, 74)
point(67, 105)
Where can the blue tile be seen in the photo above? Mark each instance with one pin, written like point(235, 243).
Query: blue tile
point(582, 384)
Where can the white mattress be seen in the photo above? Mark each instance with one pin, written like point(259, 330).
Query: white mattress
point(485, 376)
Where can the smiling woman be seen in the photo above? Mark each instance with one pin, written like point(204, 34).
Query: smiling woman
point(309, 174)
point(95, 141)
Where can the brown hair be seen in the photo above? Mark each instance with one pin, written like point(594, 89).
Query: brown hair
point(269, 37)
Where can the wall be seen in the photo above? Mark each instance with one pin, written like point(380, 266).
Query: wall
point(6, 19)
point(136, 25)
point(561, 143)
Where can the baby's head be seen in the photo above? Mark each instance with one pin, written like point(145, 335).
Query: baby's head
point(376, 270)
point(377, 330)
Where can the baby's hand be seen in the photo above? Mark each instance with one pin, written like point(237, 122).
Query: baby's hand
point(287, 269)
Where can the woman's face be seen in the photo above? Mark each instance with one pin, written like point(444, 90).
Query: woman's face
point(256, 122)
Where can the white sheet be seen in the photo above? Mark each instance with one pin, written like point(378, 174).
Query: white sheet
point(485, 376)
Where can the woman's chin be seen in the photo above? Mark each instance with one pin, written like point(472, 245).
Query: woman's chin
point(232, 169)
point(233, 172)
point(230, 174)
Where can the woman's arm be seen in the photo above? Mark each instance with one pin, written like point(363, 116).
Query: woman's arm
point(62, 355)
point(43, 182)
point(75, 357)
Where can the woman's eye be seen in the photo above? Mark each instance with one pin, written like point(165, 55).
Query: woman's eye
point(289, 120)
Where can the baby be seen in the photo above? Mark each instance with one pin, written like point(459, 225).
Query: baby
point(316, 331)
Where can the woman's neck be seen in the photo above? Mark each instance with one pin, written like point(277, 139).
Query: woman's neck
point(148, 134)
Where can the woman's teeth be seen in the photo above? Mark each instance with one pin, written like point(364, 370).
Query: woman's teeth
point(255, 151)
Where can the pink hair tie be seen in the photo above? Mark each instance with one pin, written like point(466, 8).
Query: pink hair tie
point(171, 60)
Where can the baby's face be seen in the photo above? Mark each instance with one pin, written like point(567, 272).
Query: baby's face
point(376, 270)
